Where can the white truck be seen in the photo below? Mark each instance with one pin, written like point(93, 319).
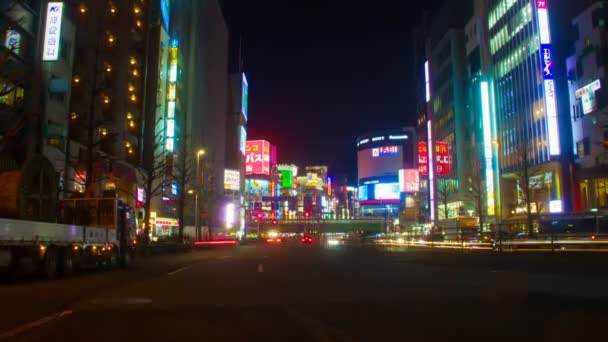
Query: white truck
point(91, 232)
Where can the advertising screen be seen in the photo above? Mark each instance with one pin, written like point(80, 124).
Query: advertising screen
point(257, 157)
point(380, 161)
point(362, 193)
point(386, 191)
point(257, 187)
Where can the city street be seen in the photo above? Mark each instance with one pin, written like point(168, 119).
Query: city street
point(296, 292)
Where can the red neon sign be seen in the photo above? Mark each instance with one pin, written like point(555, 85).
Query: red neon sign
point(257, 157)
point(442, 153)
point(423, 163)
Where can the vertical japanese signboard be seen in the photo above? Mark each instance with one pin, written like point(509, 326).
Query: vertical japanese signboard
point(423, 164)
point(52, 31)
point(257, 157)
point(442, 153)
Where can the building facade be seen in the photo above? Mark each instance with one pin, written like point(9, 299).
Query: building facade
point(380, 157)
point(586, 70)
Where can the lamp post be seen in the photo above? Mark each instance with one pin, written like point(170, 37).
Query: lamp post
point(198, 186)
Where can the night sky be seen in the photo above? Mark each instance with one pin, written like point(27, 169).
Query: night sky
point(322, 73)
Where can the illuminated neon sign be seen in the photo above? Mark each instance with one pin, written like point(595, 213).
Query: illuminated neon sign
point(52, 31)
point(398, 137)
point(427, 82)
point(170, 120)
point(442, 152)
point(385, 151)
point(429, 131)
point(487, 148)
point(364, 141)
point(377, 138)
point(245, 99)
point(423, 154)
point(548, 82)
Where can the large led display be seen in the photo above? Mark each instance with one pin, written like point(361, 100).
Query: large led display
point(257, 157)
point(362, 193)
point(257, 187)
point(386, 191)
point(379, 161)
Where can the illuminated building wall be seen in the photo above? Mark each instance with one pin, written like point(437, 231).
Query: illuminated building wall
point(451, 153)
point(525, 97)
point(108, 89)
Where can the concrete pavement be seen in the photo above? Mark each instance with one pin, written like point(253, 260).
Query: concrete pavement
point(317, 293)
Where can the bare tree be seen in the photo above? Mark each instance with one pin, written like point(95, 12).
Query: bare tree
point(209, 194)
point(446, 188)
point(184, 175)
point(530, 192)
point(154, 173)
point(476, 191)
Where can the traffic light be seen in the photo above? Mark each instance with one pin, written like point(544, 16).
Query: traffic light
point(274, 222)
point(306, 214)
point(260, 215)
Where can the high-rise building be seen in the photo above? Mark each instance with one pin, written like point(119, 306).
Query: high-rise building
point(505, 76)
point(587, 77)
point(444, 146)
point(108, 89)
point(523, 100)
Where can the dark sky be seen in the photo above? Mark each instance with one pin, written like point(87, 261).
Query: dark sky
point(322, 73)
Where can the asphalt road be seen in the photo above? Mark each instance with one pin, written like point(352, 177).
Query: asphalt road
point(319, 293)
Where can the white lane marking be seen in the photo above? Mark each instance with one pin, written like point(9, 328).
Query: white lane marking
point(29, 326)
point(260, 268)
point(179, 270)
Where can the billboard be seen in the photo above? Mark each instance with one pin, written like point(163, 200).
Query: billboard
point(286, 178)
point(257, 187)
point(379, 161)
point(232, 180)
point(257, 157)
point(442, 153)
point(409, 180)
point(423, 163)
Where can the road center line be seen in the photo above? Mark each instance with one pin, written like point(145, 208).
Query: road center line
point(31, 325)
point(179, 270)
point(260, 268)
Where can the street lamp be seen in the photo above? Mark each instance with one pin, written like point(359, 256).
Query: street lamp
point(199, 153)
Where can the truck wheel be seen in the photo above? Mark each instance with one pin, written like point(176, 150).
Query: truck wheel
point(67, 262)
point(50, 263)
